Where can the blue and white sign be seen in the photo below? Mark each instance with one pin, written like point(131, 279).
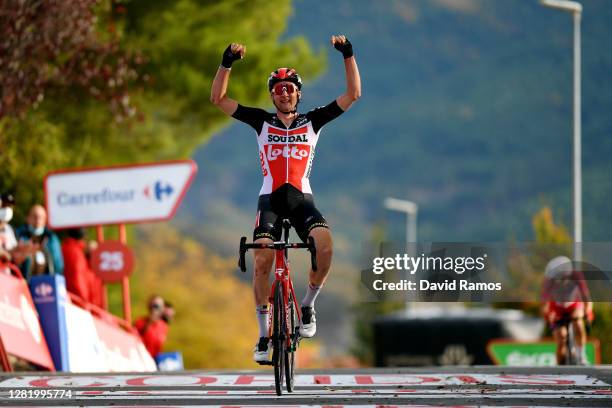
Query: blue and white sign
point(117, 195)
point(170, 361)
point(50, 297)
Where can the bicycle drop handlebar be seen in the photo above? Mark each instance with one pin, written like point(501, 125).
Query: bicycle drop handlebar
point(280, 245)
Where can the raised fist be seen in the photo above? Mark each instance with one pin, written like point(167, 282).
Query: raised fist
point(232, 53)
point(342, 44)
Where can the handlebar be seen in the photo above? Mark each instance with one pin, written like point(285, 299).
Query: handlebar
point(280, 245)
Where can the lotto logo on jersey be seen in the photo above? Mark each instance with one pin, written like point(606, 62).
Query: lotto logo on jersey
point(294, 152)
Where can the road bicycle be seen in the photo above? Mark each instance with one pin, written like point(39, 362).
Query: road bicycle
point(285, 316)
point(571, 357)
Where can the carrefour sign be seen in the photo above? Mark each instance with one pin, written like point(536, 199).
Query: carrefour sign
point(116, 195)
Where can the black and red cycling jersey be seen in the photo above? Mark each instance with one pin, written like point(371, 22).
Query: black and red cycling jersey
point(286, 154)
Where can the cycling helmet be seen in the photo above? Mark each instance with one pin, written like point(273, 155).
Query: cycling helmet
point(558, 268)
point(284, 74)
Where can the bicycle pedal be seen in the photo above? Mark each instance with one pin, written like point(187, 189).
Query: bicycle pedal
point(268, 363)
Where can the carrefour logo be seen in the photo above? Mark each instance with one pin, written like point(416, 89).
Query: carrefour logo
point(44, 290)
point(159, 191)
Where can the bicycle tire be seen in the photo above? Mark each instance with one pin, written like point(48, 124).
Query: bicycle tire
point(278, 343)
point(290, 354)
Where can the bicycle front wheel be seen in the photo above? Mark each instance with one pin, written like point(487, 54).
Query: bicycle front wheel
point(293, 340)
point(278, 338)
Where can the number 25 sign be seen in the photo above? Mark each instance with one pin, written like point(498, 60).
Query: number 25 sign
point(112, 261)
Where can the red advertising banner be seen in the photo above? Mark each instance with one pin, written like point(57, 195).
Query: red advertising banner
point(19, 325)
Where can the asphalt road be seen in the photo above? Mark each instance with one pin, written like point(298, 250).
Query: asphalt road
point(443, 386)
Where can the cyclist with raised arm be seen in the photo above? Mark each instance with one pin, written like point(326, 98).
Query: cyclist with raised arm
point(566, 297)
point(287, 141)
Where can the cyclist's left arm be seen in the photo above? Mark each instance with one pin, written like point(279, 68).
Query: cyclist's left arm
point(353, 80)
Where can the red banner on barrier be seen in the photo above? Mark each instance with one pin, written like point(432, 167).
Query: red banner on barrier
point(19, 325)
point(125, 351)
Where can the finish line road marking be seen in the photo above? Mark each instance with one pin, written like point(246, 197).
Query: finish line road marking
point(418, 393)
point(267, 380)
point(326, 406)
point(353, 397)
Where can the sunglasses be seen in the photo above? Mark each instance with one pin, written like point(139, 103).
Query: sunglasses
point(280, 88)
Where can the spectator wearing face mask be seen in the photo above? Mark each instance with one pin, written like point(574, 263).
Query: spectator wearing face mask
point(152, 328)
point(43, 249)
point(8, 242)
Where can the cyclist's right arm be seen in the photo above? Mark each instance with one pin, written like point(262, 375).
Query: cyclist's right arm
point(218, 92)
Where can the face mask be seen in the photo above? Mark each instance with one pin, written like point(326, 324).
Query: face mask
point(37, 231)
point(6, 214)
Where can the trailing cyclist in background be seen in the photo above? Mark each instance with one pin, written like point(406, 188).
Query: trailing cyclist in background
point(287, 141)
point(567, 308)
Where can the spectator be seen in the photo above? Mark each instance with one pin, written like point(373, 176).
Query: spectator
point(43, 254)
point(76, 267)
point(152, 328)
point(96, 286)
point(8, 242)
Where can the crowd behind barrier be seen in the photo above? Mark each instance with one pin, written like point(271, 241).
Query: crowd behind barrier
point(31, 252)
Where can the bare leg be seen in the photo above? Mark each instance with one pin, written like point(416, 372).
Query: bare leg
point(324, 245)
point(580, 335)
point(579, 328)
point(560, 335)
point(261, 279)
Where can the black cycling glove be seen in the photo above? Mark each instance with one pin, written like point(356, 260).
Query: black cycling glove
point(229, 57)
point(346, 49)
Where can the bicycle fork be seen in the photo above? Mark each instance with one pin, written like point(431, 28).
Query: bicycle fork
point(282, 280)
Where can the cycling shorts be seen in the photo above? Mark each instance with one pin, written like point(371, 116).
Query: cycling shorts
point(286, 202)
point(560, 312)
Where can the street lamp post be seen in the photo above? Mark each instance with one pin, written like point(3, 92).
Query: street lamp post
point(411, 209)
point(576, 9)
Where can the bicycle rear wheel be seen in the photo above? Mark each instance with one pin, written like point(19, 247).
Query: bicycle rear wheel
point(290, 352)
point(278, 338)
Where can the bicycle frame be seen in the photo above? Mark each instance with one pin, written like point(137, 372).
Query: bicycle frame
point(282, 278)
